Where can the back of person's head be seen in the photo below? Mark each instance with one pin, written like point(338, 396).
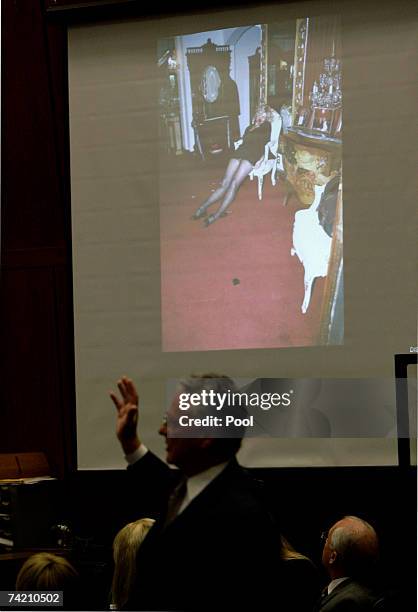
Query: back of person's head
point(356, 545)
point(228, 439)
point(125, 548)
point(48, 572)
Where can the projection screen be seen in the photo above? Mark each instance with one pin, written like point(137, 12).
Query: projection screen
point(242, 202)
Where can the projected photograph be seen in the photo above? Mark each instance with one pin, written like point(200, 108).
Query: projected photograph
point(251, 222)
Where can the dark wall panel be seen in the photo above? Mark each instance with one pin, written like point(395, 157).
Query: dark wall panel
point(32, 206)
point(36, 300)
point(32, 406)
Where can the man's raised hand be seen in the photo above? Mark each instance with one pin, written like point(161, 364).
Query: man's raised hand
point(127, 415)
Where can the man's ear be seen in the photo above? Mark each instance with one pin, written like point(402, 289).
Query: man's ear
point(206, 443)
point(333, 557)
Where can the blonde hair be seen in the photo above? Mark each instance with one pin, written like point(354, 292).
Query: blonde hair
point(45, 572)
point(288, 552)
point(265, 109)
point(125, 548)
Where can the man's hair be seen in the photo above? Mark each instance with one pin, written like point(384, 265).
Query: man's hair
point(46, 572)
point(210, 381)
point(125, 548)
point(357, 546)
point(226, 446)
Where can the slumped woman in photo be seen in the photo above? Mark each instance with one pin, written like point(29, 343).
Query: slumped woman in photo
point(246, 156)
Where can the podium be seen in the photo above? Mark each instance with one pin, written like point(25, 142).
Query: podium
point(28, 501)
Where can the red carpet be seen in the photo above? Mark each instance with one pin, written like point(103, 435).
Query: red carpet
point(232, 285)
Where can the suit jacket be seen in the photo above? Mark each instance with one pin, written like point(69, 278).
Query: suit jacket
point(349, 596)
point(302, 585)
point(223, 550)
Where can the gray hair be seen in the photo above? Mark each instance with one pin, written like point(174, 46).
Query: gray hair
point(356, 544)
point(227, 441)
point(211, 381)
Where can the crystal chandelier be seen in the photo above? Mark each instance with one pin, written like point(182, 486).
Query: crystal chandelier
point(327, 93)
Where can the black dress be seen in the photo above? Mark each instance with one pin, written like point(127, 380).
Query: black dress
point(254, 143)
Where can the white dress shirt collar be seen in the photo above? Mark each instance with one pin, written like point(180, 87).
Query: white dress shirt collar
point(195, 484)
point(334, 583)
point(198, 482)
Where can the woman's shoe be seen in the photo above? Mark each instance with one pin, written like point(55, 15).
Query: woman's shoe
point(209, 220)
point(201, 212)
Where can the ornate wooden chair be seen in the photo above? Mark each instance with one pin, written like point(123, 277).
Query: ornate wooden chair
point(267, 164)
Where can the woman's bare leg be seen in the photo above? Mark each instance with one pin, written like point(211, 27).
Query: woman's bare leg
point(239, 177)
point(221, 190)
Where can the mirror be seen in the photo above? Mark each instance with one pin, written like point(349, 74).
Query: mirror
point(210, 84)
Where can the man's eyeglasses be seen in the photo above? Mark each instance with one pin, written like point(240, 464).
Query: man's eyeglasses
point(324, 537)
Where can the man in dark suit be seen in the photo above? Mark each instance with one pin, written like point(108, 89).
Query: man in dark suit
point(350, 554)
point(214, 543)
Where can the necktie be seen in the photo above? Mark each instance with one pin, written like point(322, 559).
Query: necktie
point(175, 501)
point(321, 600)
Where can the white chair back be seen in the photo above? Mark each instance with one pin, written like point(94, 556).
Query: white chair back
point(319, 190)
point(276, 128)
point(286, 115)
